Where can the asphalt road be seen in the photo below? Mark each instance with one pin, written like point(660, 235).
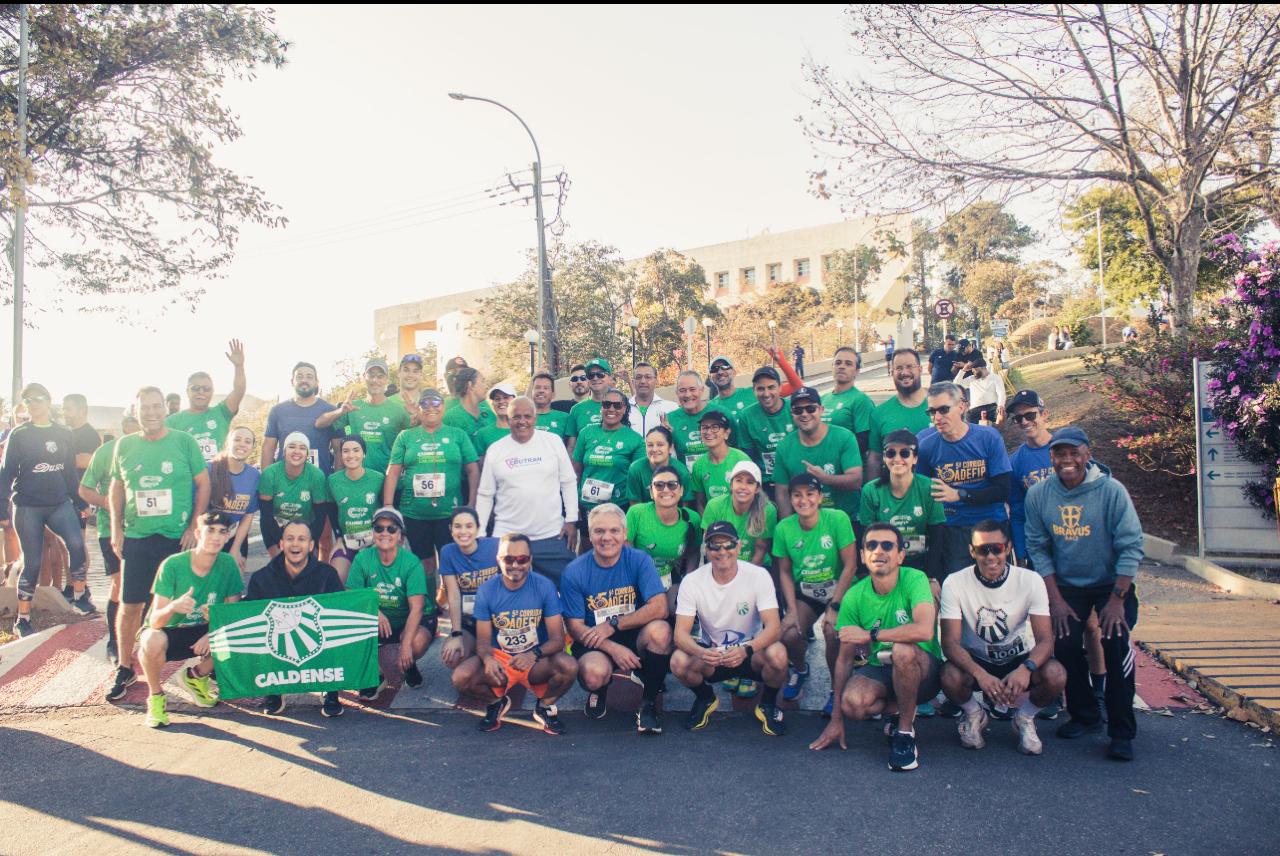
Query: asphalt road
point(98, 781)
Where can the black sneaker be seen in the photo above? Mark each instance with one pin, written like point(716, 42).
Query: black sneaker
point(412, 677)
point(23, 627)
point(949, 710)
point(370, 693)
point(69, 593)
point(548, 717)
point(647, 721)
point(771, 721)
point(700, 715)
point(272, 705)
point(125, 678)
point(331, 707)
point(595, 707)
point(1073, 728)
point(1050, 711)
point(1120, 749)
point(84, 604)
point(902, 753)
point(492, 719)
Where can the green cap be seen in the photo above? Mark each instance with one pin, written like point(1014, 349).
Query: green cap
point(599, 363)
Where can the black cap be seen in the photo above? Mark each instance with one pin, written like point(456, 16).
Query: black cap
point(766, 371)
point(720, 529)
point(711, 414)
point(900, 437)
point(1027, 397)
point(806, 392)
point(804, 480)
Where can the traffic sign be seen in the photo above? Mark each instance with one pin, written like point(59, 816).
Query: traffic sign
point(944, 308)
point(1228, 523)
point(1000, 328)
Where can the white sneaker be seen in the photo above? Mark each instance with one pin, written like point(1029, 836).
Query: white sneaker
point(970, 727)
point(1028, 740)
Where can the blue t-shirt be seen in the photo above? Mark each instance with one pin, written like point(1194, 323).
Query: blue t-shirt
point(1029, 466)
point(969, 463)
point(287, 417)
point(519, 617)
point(593, 593)
point(245, 501)
point(472, 571)
point(942, 361)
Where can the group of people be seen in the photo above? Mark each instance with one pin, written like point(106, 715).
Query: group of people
point(709, 538)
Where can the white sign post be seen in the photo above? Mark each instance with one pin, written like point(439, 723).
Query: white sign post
point(1228, 523)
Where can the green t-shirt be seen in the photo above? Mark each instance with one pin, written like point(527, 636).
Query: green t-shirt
point(739, 400)
point(890, 416)
point(814, 553)
point(293, 499)
point(711, 479)
point(688, 435)
point(158, 482)
point(862, 607)
point(395, 584)
point(837, 453)
point(606, 458)
point(208, 429)
point(356, 501)
point(378, 424)
point(431, 484)
point(760, 434)
point(585, 412)
point(850, 409)
point(98, 477)
point(488, 435)
point(640, 478)
point(913, 514)
point(176, 576)
point(555, 422)
point(721, 508)
point(664, 544)
point(458, 417)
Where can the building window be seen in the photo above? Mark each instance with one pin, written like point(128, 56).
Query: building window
point(826, 264)
point(749, 276)
point(802, 269)
point(722, 279)
point(775, 273)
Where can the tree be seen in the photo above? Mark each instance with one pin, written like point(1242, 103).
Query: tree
point(966, 101)
point(1030, 289)
point(846, 279)
point(124, 114)
point(985, 240)
point(924, 241)
point(669, 287)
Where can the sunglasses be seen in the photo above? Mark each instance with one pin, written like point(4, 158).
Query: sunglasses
point(720, 367)
point(390, 527)
point(944, 410)
point(594, 375)
point(666, 485)
point(431, 402)
point(804, 408)
point(888, 546)
point(989, 549)
point(577, 378)
point(890, 454)
point(722, 547)
point(613, 405)
point(516, 560)
point(1029, 416)
point(200, 388)
point(35, 399)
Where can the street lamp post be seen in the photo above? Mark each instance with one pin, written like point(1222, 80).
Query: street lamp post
point(531, 336)
point(634, 323)
point(773, 337)
point(706, 326)
point(546, 307)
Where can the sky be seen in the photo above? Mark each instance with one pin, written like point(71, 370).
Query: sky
point(676, 126)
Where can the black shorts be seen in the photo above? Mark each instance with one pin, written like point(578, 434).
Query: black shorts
point(468, 624)
point(427, 537)
point(817, 606)
point(743, 670)
point(429, 623)
point(1001, 670)
point(181, 639)
point(625, 638)
point(244, 547)
point(142, 558)
point(110, 561)
point(929, 687)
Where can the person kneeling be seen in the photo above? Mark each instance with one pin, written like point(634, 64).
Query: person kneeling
point(519, 640)
point(178, 628)
point(736, 608)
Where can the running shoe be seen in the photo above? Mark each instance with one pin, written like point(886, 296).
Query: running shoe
point(1050, 711)
point(731, 684)
point(548, 717)
point(273, 705)
point(1072, 728)
point(747, 689)
point(370, 693)
point(647, 721)
point(970, 727)
point(902, 753)
point(771, 720)
point(595, 707)
point(157, 716)
point(331, 707)
point(1120, 749)
point(926, 710)
point(69, 592)
point(829, 706)
point(201, 693)
point(84, 604)
point(412, 677)
point(124, 679)
point(1001, 712)
point(795, 683)
point(22, 627)
point(1024, 726)
point(492, 719)
point(700, 715)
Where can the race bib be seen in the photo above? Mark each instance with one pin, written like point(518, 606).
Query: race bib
point(819, 591)
point(358, 541)
point(1001, 654)
point(428, 485)
point(208, 448)
point(154, 503)
point(605, 613)
point(690, 460)
point(468, 604)
point(665, 576)
point(768, 458)
point(517, 641)
point(594, 491)
point(914, 545)
point(313, 456)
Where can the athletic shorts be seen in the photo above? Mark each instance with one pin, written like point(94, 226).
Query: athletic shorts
point(743, 670)
point(625, 638)
point(817, 606)
point(110, 561)
point(427, 537)
point(429, 623)
point(954, 544)
point(515, 676)
point(244, 546)
point(344, 553)
point(142, 558)
point(929, 687)
point(468, 624)
point(1001, 670)
point(181, 639)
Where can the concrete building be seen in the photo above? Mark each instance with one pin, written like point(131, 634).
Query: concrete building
point(448, 318)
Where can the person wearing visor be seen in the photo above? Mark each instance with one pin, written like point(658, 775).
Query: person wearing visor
point(499, 398)
point(292, 489)
point(377, 419)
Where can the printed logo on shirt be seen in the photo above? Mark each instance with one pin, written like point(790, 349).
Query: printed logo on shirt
point(625, 596)
point(962, 472)
point(517, 619)
point(828, 542)
point(211, 424)
point(993, 624)
point(903, 617)
point(517, 463)
point(149, 482)
point(368, 497)
point(51, 446)
point(743, 607)
point(918, 511)
point(166, 467)
point(1036, 476)
point(305, 496)
point(1070, 527)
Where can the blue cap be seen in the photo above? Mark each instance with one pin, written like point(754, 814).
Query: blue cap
point(1069, 436)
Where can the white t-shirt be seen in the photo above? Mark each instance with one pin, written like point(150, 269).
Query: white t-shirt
point(994, 620)
point(728, 615)
point(526, 486)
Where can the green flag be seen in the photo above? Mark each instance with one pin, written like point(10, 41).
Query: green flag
point(295, 645)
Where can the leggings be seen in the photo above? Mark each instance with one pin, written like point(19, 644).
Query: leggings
point(30, 521)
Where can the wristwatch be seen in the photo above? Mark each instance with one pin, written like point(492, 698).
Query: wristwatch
point(964, 494)
point(751, 652)
point(537, 653)
point(455, 634)
point(613, 622)
point(875, 635)
point(1031, 665)
point(1120, 593)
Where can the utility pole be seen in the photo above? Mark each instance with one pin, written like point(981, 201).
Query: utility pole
point(20, 215)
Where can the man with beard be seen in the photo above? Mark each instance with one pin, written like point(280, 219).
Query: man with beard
point(300, 414)
point(577, 385)
point(729, 398)
point(906, 410)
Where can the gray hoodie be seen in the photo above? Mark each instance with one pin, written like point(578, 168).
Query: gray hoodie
point(1086, 536)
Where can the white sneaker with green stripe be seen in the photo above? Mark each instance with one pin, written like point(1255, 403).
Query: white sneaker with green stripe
point(199, 687)
point(157, 716)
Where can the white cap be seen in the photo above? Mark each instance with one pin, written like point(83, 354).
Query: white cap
point(745, 467)
point(297, 437)
point(504, 388)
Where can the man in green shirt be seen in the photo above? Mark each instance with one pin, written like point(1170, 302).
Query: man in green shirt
point(829, 452)
point(892, 610)
point(685, 422)
point(846, 405)
point(711, 471)
point(542, 389)
point(765, 424)
point(587, 411)
point(728, 398)
point(905, 410)
point(210, 425)
point(377, 419)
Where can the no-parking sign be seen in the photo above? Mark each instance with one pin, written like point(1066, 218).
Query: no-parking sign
point(944, 308)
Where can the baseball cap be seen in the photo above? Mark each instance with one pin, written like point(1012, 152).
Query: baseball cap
point(432, 395)
point(377, 363)
point(806, 392)
point(1069, 436)
point(901, 437)
point(297, 437)
point(748, 467)
point(804, 480)
point(411, 358)
point(720, 529)
point(711, 414)
point(1025, 397)
point(599, 363)
point(504, 388)
point(766, 371)
point(722, 359)
point(390, 513)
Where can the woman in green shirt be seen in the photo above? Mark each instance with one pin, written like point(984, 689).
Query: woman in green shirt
point(500, 396)
point(749, 510)
point(602, 457)
point(658, 446)
point(468, 414)
point(668, 533)
point(292, 489)
point(355, 492)
point(904, 498)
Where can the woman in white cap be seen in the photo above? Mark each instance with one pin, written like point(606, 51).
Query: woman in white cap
point(499, 398)
point(292, 489)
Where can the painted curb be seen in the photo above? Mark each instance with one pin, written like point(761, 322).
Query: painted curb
point(1221, 694)
point(1229, 581)
point(1158, 548)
